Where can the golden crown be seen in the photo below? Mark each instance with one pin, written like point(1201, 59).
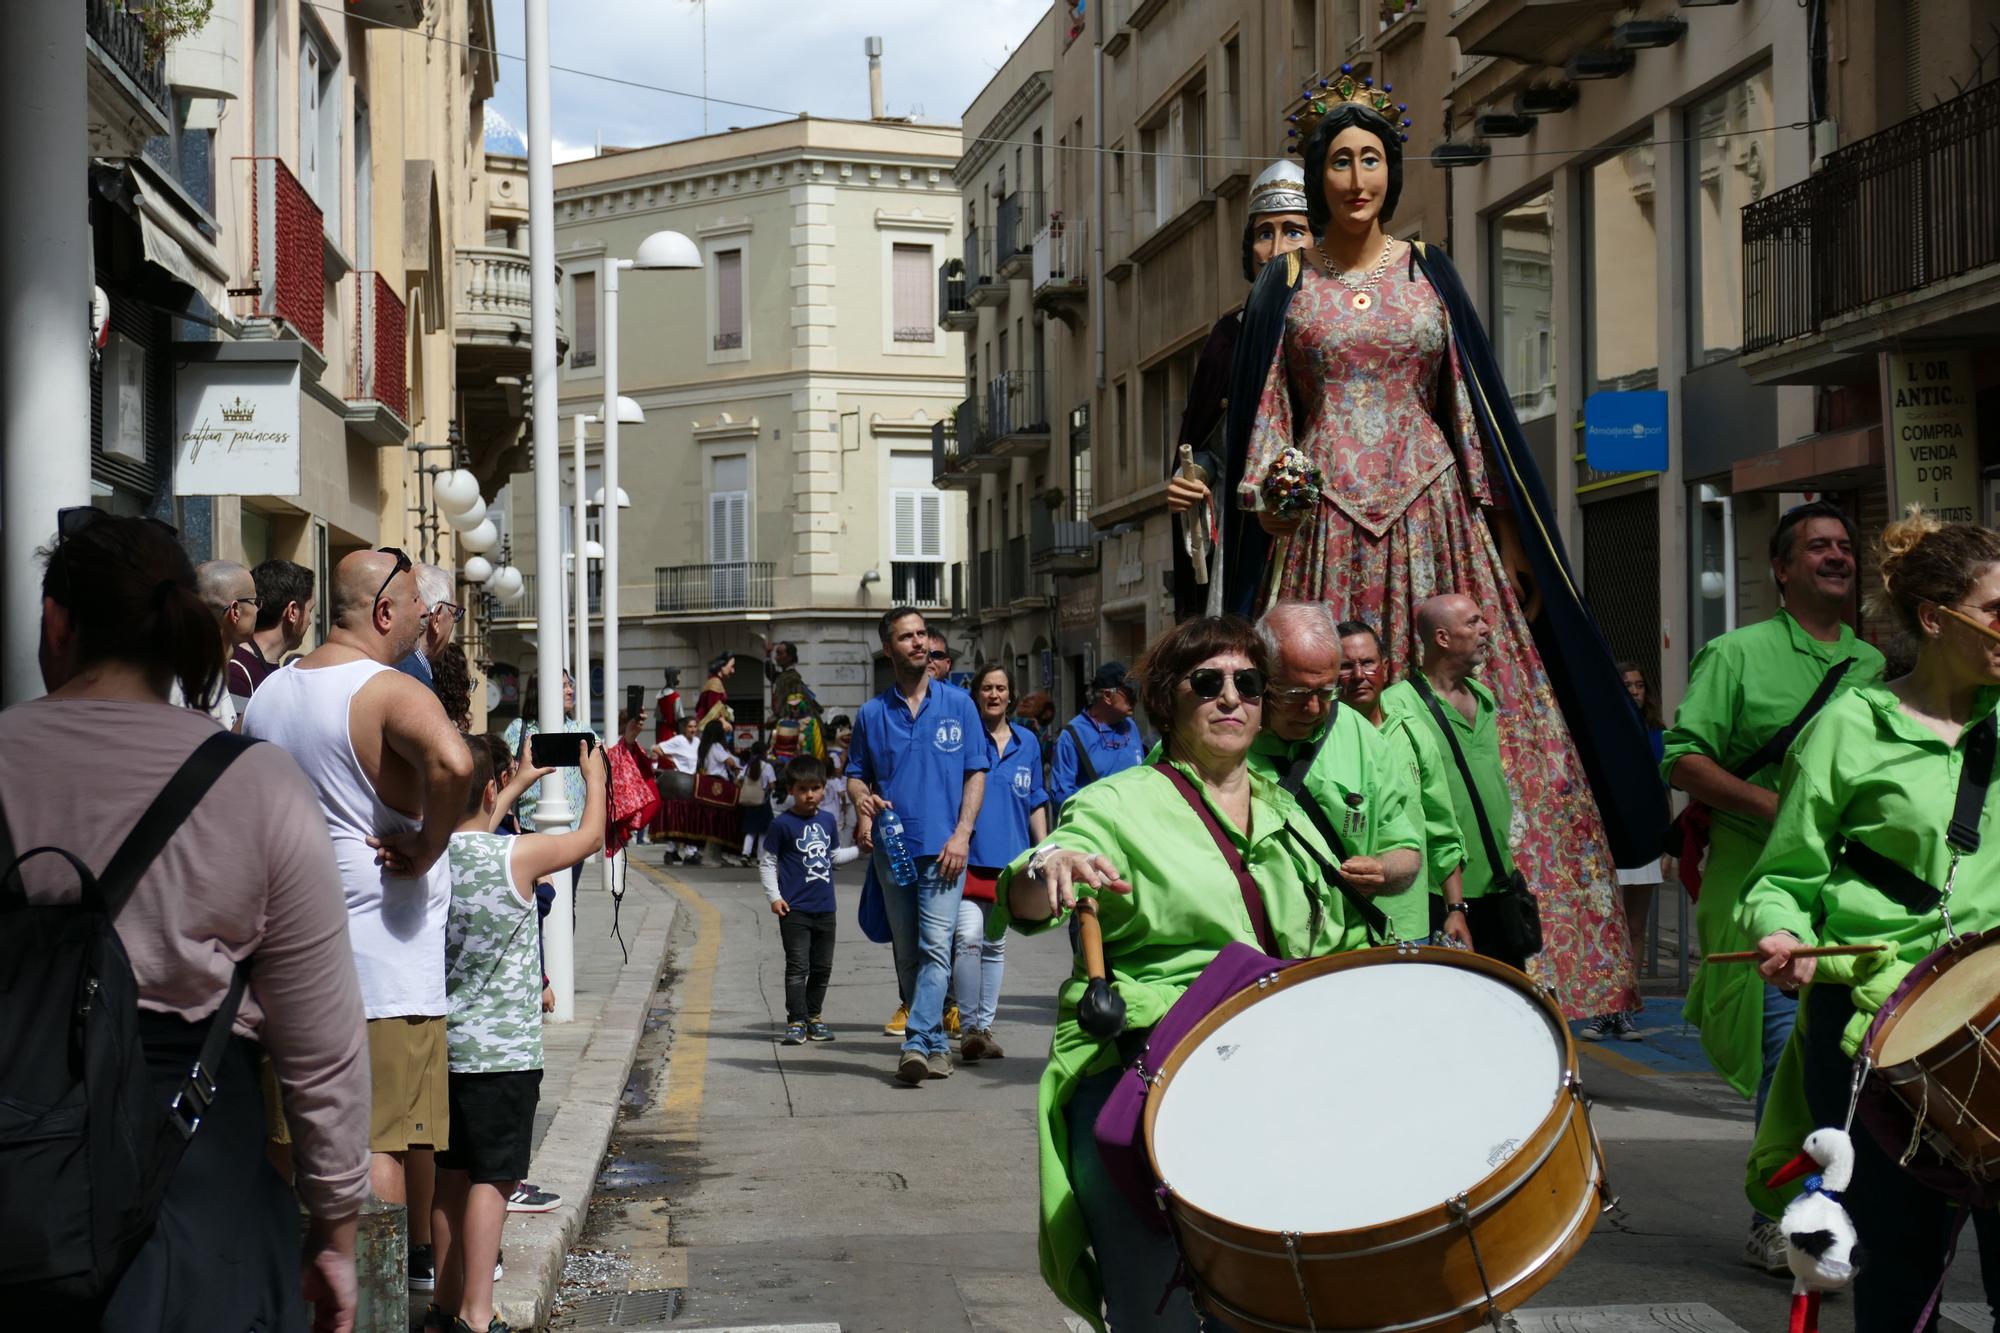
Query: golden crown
point(1318, 98)
point(240, 410)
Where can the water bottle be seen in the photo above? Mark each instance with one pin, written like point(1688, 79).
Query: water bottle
point(889, 832)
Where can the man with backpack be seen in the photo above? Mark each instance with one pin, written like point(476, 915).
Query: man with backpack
point(1750, 692)
point(1101, 740)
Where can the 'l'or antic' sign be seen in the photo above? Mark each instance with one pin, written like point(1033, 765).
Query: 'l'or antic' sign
point(237, 428)
point(1933, 442)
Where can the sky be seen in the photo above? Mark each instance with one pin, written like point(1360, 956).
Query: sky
point(797, 55)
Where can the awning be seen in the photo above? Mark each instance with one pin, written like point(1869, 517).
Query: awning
point(1840, 461)
point(173, 244)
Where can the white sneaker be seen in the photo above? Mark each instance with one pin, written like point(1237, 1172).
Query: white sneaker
point(1765, 1249)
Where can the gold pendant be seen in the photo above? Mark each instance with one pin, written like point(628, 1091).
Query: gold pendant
point(1362, 300)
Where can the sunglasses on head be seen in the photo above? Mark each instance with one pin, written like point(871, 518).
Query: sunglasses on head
point(402, 564)
point(1206, 683)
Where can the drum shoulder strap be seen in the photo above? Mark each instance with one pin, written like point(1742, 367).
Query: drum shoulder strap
point(1253, 901)
point(1294, 781)
point(1423, 687)
point(1773, 750)
point(1899, 883)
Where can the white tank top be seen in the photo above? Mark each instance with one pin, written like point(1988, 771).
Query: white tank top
point(395, 925)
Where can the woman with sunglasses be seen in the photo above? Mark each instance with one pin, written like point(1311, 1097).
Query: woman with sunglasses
point(1140, 841)
point(1863, 852)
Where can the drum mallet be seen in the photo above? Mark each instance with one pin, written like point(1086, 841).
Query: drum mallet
point(1822, 951)
point(1101, 1011)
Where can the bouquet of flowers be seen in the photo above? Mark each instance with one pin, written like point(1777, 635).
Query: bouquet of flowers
point(1292, 485)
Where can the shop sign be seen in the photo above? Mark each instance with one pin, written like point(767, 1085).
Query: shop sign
point(1077, 604)
point(1625, 431)
point(237, 428)
point(1933, 443)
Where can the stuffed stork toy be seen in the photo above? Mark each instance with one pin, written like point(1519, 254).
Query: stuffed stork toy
point(1820, 1243)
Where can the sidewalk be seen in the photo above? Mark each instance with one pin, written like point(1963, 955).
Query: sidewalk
point(586, 1063)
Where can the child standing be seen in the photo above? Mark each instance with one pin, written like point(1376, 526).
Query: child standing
point(493, 1034)
point(796, 864)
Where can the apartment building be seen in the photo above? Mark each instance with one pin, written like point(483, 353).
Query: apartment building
point(781, 483)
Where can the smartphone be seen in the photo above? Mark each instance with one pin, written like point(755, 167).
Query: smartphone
point(559, 749)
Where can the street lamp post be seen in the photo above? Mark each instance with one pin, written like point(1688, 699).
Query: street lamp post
point(552, 812)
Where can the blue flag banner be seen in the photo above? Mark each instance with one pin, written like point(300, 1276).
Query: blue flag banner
point(1625, 432)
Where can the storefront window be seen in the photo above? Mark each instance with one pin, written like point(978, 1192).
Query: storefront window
point(1622, 290)
point(1524, 296)
point(1730, 156)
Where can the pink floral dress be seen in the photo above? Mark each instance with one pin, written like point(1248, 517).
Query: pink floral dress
point(1376, 399)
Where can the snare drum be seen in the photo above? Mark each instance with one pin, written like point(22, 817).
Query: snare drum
point(1932, 1048)
point(1389, 1140)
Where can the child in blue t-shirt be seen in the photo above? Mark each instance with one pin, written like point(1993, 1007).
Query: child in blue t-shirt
point(796, 863)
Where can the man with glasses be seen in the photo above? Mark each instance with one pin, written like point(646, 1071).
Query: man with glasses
point(231, 594)
point(391, 772)
point(1335, 764)
point(1101, 740)
point(942, 659)
point(1748, 693)
point(284, 617)
point(441, 617)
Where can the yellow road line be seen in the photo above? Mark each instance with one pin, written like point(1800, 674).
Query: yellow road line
point(1624, 1064)
point(688, 1076)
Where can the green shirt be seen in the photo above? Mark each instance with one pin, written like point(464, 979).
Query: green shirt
point(1418, 748)
point(1183, 909)
point(1742, 689)
point(1480, 740)
point(1364, 793)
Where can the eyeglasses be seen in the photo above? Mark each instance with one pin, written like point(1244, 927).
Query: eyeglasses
point(402, 564)
point(235, 602)
point(1206, 683)
point(452, 609)
point(1296, 697)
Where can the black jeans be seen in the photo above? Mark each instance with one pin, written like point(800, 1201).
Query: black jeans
point(808, 940)
point(1479, 919)
point(1904, 1226)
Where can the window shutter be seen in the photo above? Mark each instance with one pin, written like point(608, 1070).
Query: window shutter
point(583, 340)
point(729, 298)
point(930, 525)
point(904, 539)
point(728, 527)
point(914, 320)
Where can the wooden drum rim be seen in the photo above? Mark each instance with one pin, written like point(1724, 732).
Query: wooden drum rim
point(1566, 1104)
point(1934, 966)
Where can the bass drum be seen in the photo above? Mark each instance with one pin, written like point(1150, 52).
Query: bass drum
point(1393, 1140)
point(675, 785)
point(1932, 1048)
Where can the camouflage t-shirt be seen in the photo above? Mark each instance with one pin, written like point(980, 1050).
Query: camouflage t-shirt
point(492, 979)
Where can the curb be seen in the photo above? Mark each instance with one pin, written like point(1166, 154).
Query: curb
point(577, 1137)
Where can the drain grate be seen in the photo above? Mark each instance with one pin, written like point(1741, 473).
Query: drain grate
point(623, 1309)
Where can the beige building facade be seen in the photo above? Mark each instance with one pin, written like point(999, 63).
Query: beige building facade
point(781, 483)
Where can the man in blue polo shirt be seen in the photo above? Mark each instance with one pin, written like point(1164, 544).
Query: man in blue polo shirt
point(919, 750)
point(1101, 740)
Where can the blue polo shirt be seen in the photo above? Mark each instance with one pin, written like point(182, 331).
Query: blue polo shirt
point(1013, 792)
point(919, 763)
point(1111, 749)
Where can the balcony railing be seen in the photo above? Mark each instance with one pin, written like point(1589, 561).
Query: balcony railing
point(120, 34)
point(1016, 404)
point(287, 249)
point(738, 586)
point(1062, 252)
point(1015, 221)
point(525, 606)
point(729, 342)
point(917, 582)
point(493, 303)
point(1885, 216)
point(951, 292)
point(381, 332)
point(1052, 539)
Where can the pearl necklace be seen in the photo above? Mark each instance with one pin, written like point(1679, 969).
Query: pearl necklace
point(1361, 300)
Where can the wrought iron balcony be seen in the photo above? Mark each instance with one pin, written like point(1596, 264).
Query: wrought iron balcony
point(1017, 418)
point(983, 282)
point(1062, 268)
point(1060, 545)
point(737, 586)
point(953, 312)
point(129, 101)
point(1016, 220)
point(525, 607)
point(1886, 217)
point(917, 583)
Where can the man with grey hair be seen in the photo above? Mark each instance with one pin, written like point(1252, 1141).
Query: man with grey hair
point(231, 594)
point(441, 617)
point(1336, 765)
point(1456, 641)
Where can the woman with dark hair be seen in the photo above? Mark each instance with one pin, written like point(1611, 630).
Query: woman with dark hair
point(247, 878)
point(720, 825)
point(1145, 843)
point(1013, 817)
point(1385, 462)
point(1867, 849)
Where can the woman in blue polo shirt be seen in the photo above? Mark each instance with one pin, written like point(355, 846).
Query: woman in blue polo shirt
point(1013, 818)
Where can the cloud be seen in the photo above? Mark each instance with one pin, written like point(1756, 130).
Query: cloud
point(779, 54)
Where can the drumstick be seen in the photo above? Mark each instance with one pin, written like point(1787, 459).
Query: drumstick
point(1101, 1011)
point(1956, 614)
point(1821, 951)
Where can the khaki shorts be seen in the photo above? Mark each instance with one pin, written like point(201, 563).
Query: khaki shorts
point(407, 1062)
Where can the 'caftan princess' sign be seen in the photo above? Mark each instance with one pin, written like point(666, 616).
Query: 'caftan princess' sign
point(237, 428)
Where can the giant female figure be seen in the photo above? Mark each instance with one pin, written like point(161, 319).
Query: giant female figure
point(1361, 357)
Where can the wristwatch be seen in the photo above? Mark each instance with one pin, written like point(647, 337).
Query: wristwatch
point(1458, 907)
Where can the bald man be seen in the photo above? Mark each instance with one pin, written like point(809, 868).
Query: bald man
point(1455, 640)
point(229, 591)
point(391, 772)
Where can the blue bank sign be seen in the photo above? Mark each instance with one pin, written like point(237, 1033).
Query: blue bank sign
point(1625, 432)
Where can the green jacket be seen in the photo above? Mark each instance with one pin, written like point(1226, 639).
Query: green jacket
point(1430, 767)
point(1480, 739)
point(1183, 908)
point(1742, 689)
point(1864, 770)
point(1367, 797)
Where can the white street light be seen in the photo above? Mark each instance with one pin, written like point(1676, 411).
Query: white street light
point(506, 584)
point(624, 500)
point(661, 250)
point(629, 412)
point(593, 550)
point(483, 538)
point(467, 519)
point(455, 491)
point(477, 570)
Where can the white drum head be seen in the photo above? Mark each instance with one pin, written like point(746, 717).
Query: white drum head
point(1358, 1097)
point(1941, 1012)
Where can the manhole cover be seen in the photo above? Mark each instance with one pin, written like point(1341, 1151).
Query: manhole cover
point(622, 1309)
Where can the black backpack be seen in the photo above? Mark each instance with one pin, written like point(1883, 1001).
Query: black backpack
point(86, 1147)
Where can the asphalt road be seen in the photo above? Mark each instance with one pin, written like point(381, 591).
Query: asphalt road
point(756, 1185)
